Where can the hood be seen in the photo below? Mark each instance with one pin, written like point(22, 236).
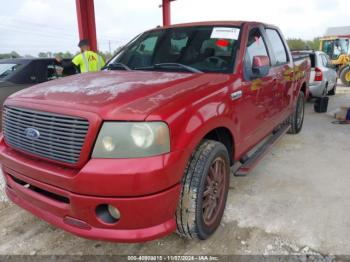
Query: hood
point(117, 95)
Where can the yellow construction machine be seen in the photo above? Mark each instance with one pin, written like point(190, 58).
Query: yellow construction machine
point(336, 43)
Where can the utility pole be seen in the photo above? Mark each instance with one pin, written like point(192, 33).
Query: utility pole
point(109, 45)
point(86, 21)
point(166, 12)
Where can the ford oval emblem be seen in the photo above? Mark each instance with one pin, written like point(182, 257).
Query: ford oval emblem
point(32, 133)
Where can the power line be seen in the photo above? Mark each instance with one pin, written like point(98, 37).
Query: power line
point(34, 26)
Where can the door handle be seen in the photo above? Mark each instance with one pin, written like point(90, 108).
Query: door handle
point(236, 95)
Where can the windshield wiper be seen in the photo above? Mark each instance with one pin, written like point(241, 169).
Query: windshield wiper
point(118, 65)
point(170, 65)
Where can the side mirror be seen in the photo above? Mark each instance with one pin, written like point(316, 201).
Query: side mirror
point(261, 66)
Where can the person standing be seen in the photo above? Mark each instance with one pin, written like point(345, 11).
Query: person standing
point(87, 60)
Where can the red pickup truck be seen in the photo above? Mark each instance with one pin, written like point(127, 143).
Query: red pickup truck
point(144, 148)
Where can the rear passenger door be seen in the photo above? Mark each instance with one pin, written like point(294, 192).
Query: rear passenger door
point(283, 73)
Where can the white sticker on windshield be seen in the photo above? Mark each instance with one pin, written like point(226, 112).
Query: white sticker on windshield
point(225, 33)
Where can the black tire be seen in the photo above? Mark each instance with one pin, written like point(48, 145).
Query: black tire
point(192, 216)
point(340, 70)
point(296, 120)
point(344, 76)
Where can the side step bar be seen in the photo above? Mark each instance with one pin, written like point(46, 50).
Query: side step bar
point(251, 162)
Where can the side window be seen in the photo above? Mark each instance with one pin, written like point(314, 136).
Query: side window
point(52, 71)
point(279, 49)
point(147, 46)
point(325, 61)
point(140, 55)
point(7, 69)
point(255, 47)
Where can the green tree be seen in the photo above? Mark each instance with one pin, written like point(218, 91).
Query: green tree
point(299, 44)
point(67, 55)
point(314, 43)
point(50, 54)
point(60, 54)
point(296, 44)
point(13, 54)
point(42, 55)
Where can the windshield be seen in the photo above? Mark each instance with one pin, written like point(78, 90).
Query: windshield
point(194, 49)
point(7, 69)
point(334, 48)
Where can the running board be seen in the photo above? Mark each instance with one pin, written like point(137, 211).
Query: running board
point(252, 161)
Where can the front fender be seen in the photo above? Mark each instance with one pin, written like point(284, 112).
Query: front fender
point(195, 130)
point(189, 125)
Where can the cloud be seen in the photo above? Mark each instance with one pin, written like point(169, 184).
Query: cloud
point(36, 25)
point(304, 19)
point(41, 25)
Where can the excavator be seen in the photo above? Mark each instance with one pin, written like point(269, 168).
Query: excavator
point(336, 43)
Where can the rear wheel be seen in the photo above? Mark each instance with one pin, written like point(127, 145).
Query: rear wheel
point(296, 120)
point(204, 191)
point(345, 76)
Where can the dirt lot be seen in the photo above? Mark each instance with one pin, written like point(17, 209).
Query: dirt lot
point(297, 201)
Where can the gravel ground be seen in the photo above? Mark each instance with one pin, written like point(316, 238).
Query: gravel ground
point(295, 202)
point(3, 197)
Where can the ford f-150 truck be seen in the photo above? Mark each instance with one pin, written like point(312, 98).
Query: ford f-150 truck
point(144, 148)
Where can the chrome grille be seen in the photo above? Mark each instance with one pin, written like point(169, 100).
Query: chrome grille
point(61, 137)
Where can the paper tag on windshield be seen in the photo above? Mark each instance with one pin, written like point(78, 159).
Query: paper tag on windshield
point(225, 33)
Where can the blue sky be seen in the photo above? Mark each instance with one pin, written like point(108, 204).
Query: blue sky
point(31, 26)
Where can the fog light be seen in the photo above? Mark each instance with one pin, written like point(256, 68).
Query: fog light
point(114, 212)
point(108, 213)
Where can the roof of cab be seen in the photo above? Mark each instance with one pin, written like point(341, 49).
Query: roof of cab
point(216, 23)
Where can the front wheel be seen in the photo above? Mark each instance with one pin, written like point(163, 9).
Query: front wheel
point(296, 120)
point(204, 191)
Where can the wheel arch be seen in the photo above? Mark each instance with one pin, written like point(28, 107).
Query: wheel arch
point(223, 135)
point(218, 129)
point(304, 88)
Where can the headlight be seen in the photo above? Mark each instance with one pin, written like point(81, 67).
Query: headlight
point(132, 139)
point(143, 135)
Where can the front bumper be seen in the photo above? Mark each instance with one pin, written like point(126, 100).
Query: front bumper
point(146, 192)
point(78, 217)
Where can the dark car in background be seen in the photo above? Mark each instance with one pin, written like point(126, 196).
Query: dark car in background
point(19, 73)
